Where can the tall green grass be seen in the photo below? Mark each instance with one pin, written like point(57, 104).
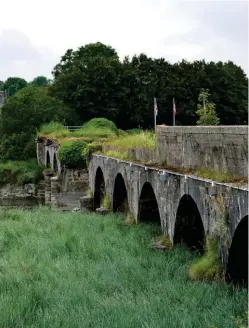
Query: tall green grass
point(144, 139)
point(78, 270)
point(20, 172)
point(88, 132)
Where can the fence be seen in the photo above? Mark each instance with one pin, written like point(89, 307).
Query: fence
point(73, 128)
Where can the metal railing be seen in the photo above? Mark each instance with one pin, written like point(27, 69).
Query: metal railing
point(73, 128)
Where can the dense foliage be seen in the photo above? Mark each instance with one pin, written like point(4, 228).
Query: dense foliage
point(20, 172)
point(21, 115)
point(13, 85)
point(74, 154)
point(40, 81)
point(94, 82)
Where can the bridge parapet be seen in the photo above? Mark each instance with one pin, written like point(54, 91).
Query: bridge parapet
point(221, 148)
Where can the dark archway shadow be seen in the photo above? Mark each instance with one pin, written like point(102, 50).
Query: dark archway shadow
point(48, 161)
point(148, 211)
point(189, 230)
point(99, 189)
point(120, 200)
point(237, 266)
point(55, 165)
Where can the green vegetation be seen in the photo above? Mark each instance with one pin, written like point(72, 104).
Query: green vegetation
point(100, 84)
point(20, 117)
point(121, 154)
point(145, 139)
point(74, 154)
point(209, 266)
point(219, 176)
point(102, 124)
point(20, 172)
point(73, 270)
point(96, 130)
point(206, 111)
point(106, 203)
point(53, 130)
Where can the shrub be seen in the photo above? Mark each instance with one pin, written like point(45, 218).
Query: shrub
point(70, 154)
point(20, 172)
point(101, 123)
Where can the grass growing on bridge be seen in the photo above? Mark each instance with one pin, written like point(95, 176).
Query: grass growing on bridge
point(145, 139)
point(77, 270)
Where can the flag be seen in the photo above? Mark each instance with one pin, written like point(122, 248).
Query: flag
point(155, 107)
point(174, 107)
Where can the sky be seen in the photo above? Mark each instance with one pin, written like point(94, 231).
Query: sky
point(35, 34)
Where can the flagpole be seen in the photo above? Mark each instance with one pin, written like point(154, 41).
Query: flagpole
point(174, 123)
point(155, 114)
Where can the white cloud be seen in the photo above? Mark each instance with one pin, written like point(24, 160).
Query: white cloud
point(36, 34)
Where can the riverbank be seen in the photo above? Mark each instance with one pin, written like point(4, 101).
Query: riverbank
point(84, 270)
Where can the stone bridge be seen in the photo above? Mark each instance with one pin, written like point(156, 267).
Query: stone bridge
point(188, 208)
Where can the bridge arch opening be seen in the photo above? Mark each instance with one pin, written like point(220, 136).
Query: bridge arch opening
point(99, 189)
point(148, 208)
point(48, 161)
point(237, 266)
point(55, 165)
point(189, 229)
point(120, 200)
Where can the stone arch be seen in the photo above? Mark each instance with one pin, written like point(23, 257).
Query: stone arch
point(120, 196)
point(189, 229)
point(48, 161)
point(99, 188)
point(237, 266)
point(148, 210)
point(55, 163)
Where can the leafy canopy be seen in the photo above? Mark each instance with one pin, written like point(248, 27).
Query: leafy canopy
point(21, 115)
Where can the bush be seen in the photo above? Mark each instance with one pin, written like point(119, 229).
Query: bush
point(101, 123)
point(74, 154)
point(20, 172)
point(18, 146)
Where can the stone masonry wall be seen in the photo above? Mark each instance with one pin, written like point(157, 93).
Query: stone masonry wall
point(222, 148)
point(22, 196)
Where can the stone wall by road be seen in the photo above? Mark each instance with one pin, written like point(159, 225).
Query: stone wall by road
point(222, 148)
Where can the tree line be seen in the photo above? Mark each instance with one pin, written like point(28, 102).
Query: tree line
point(92, 81)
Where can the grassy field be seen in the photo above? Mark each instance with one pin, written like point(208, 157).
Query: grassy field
point(73, 270)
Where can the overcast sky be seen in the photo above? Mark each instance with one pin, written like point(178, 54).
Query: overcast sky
point(35, 34)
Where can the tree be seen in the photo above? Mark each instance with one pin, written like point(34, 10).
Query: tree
point(94, 82)
point(21, 115)
point(206, 111)
point(40, 81)
point(1, 85)
point(88, 80)
point(14, 84)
